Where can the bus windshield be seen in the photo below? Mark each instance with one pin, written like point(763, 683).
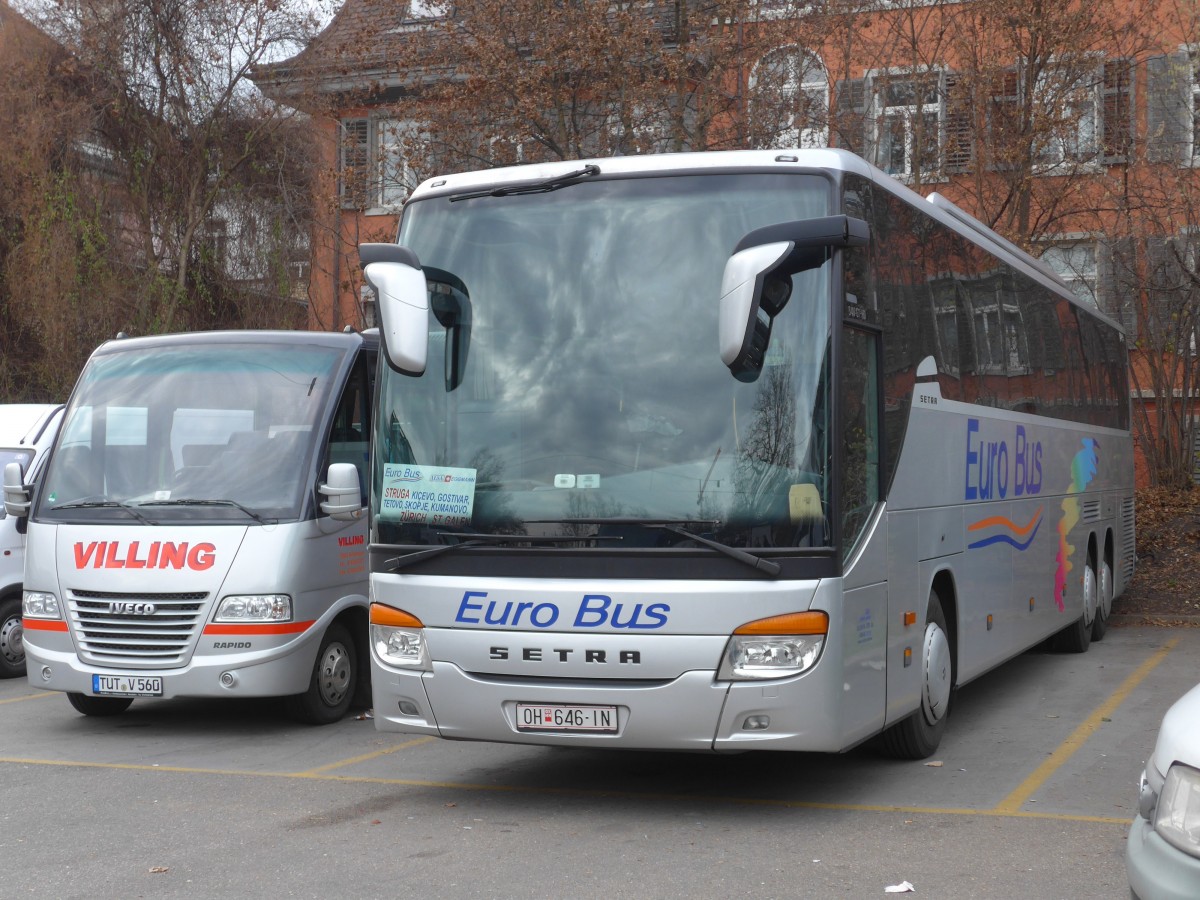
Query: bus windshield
point(185, 432)
point(574, 376)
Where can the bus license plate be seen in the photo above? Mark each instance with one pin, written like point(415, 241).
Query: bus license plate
point(592, 719)
point(127, 685)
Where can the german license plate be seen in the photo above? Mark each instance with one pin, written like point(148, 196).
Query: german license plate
point(557, 717)
point(127, 685)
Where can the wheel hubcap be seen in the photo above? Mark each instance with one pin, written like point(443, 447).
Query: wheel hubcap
point(12, 640)
point(1106, 591)
point(1089, 594)
point(333, 678)
point(938, 673)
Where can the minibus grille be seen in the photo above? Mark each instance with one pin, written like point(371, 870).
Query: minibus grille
point(136, 630)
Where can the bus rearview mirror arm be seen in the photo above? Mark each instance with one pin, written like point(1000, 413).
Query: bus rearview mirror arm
point(402, 297)
point(756, 284)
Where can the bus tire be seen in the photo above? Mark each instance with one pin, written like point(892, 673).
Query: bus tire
point(918, 735)
point(99, 706)
point(1103, 602)
point(332, 684)
point(12, 638)
point(1077, 636)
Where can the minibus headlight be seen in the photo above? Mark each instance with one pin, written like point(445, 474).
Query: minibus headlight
point(774, 648)
point(398, 638)
point(1177, 818)
point(255, 608)
point(40, 605)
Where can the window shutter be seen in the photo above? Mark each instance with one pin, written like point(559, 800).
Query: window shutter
point(354, 163)
point(1118, 284)
point(852, 102)
point(1117, 111)
point(1168, 107)
point(956, 103)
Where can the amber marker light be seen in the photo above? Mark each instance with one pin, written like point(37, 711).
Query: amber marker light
point(910, 618)
point(792, 623)
point(776, 647)
point(395, 618)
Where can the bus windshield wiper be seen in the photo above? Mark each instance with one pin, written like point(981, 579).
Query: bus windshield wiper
point(676, 526)
point(188, 501)
point(481, 540)
point(106, 504)
point(531, 187)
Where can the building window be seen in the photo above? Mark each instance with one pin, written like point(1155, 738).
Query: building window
point(789, 100)
point(1075, 263)
point(1067, 97)
point(375, 162)
point(908, 123)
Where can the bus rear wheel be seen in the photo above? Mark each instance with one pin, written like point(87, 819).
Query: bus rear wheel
point(1077, 636)
point(918, 736)
point(99, 706)
point(333, 681)
point(1103, 602)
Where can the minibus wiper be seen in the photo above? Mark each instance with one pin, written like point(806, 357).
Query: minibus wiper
point(481, 540)
point(106, 504)
point(188, 501)
point(530, 187)
point(675, 526)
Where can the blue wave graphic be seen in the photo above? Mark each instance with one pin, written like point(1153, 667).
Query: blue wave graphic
point(1006, 539)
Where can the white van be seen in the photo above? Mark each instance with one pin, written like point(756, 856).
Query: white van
point(26, 431)
point(200, 528)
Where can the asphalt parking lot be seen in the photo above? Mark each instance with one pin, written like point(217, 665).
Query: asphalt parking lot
point(1029, 796)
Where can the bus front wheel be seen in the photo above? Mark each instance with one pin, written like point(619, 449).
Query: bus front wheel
point(99, 706)
point(12, 646)
point(918, 736)
point(333, 681)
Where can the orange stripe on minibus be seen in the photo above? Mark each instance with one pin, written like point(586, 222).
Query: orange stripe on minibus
point(44, 624)
point(259, 628)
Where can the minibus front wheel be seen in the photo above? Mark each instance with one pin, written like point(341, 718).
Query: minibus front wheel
point(333, 681)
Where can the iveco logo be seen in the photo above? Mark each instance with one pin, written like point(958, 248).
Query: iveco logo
point(537, 654)
point(130, 608)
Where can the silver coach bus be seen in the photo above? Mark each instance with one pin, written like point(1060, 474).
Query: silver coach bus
point(727, 451)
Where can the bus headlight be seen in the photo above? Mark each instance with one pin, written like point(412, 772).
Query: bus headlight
point(774, 648)
point(40, 605)
point(1177, 818)
point(398, 638)
point(255, 608)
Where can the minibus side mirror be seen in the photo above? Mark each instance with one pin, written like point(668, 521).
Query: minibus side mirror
point(757, 282)
point(16, 491)
point(402, 297)
point(342, 492)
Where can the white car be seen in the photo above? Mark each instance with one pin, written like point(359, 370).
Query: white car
point(26, 432)
point(1162, 855)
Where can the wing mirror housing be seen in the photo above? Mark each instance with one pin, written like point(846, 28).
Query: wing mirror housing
point(16, 492)
point(757, 282)
point(402, 296)
point(342, 492)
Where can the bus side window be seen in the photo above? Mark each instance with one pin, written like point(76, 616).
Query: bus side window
point(350, 437)
point(859, 432)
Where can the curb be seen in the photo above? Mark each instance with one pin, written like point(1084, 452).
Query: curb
point(1158, 620)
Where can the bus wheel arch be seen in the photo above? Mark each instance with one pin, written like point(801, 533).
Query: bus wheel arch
point(917, 735)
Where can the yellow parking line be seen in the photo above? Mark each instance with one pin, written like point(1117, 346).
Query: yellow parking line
point(320, 770)
point(29, 697)
point(583, 793)
point(1014, 801)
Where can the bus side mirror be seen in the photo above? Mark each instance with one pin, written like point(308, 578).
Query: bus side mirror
point(394, 273)
point(16, 491)
point(757, 282)
point(342, 492)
